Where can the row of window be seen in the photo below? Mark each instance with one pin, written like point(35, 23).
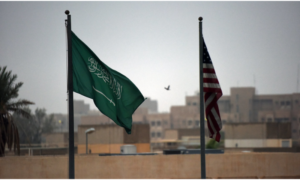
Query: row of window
point(192, 104)
point(275, 120)
point(158, 123)
point(262, 101)
point(155, 134)
point(295, 119)
point(278, 119)
point(295, 131)
point(190, 122)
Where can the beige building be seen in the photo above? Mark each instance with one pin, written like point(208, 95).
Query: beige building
point(189, 138)
point(258, 135)
point(57, 139)
point(185, 116)
point(151, 105)
point(80, 107)
point(244, 105)
point(108, 138)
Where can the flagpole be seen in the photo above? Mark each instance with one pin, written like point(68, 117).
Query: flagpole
point(70, 98)
point(202, 129)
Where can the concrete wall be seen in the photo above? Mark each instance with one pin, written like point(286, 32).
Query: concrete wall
point(57, 139)
point(171, 134)
point(255, 143)
point(108, 138)
point(140, 133)
point(279, 130)
point(245, 131)
point(114, 134)
point(111, 148)
point(104, 134)
point(258, 130)
point(240, 99)
point(233, 165)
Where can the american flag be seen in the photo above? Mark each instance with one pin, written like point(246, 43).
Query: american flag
point(212, 92)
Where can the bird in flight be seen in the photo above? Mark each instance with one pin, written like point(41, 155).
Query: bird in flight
point(168, 88)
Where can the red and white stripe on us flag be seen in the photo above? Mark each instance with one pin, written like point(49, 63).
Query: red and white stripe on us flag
point(212, 92)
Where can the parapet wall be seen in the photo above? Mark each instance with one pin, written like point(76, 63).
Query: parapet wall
point(233, 165)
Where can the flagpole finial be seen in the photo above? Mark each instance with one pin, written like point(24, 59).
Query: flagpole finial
point(200, 18)
point(67, 12)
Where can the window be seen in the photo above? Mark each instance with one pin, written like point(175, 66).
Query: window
point(269, 119)
point(294, 131)
point(287, 103)
point(197, 123)
point(285, 143)
point(296, 101)
point(195, 104)
point(158, 134)
point(158, 123)
point(153, 134)
point(237, 97)
point(278, 119)
point(152, 123)
point(282, 103)
point(286, 119)
point(237, 108)
point(190, 122)
point(262, 119)
point(165, 122)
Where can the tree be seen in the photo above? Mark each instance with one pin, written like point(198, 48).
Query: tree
point(31, 130)
point(9, 133)
point(212, 144)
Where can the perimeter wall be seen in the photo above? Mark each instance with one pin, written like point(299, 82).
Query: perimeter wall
point(232, 165)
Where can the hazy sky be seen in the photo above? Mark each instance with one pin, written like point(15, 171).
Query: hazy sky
point(155, 44)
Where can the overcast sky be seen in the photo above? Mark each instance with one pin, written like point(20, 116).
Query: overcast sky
point(154, 44)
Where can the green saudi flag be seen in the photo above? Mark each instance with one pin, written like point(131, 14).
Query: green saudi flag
point(113, 93)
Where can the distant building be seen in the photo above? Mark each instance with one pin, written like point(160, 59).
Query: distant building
point(243, 106)
point(151, 105)
point(57, 139)
point(61, 122)
point(185, 116)
point(80, 107)
point(158, 123)
point(174, 138)
point(108, 138)
point(258, 135)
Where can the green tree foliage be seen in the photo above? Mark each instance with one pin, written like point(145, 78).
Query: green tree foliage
point(212, 144)
point(31, 130)
point(9, 133)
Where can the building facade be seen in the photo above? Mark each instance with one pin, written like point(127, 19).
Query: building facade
point(108, 138)
point(243, 105)
point(258, 135)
